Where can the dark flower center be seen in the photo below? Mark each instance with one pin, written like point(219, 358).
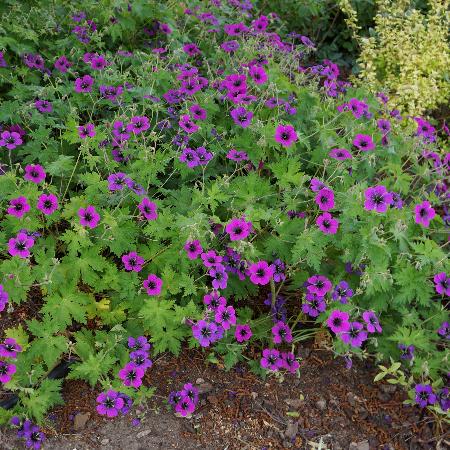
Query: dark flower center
point(48, 204)
point(88, 217)
point(20, 245)
point(206, 332)
point(109, 403)
point(260, 272)
point(3, 370)
point(337, 321)
point(151, 285)
point(131, 375)
point(285, 136)
point(378, 199)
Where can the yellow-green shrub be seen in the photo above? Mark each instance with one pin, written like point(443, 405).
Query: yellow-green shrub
point(408, 55)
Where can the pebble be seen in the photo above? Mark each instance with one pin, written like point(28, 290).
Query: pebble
point(80, 420)
point(143, 433)
point(321, 404)
point(104, 441)
point(363, 445)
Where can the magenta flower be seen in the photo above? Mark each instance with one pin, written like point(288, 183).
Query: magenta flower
point(316, 185)
point(342, 292)
point(133, 262)
point(236, 155)
point(139, 343)
point(148, 209)
point(230, 46)
point(377, 199)
point(43, 106)
point(189, 390)
point(10, 140)
point(187, 124)
point(7, 370)
point(98, 62)
point(18, 207)
point(85, 131)
point(425, 395)
point(138, 124)
point(338, 321)
point(243, 333)
point(139, 358)
point(84, 84)
point(63, 64)
point(327, 224)
point(258, 74)
point(241, 116)
point(213, 300)
point(204, 332)
point(109, 403)
point(238, 229)
point(203, 155)
point(20, 245)
point(285, 135)
point(442, 283)
point(424, 213)
point(219, 276)
point(185, 406)
point(271, 359)
point(193, 249)
point(314, 305)
point(363, 142)
point(211, 259)
point(120, 131)
point(319, 285)
point(355, 335)
point(325, 199)
point(281, 332)
point(226, 316)
point(191, 49)
point(9, 348)
point(4, 296)
point(153, 285)
point(340, 154)
point(190, 157)
point(260, 272)
point(34, 173)
point(372, 322)
point(47, 203)
point(89, 217)
point(117, 181)
point(289, 362)
point(197, 112)
point(131, 375)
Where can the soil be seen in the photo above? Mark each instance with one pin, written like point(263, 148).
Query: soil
point(327, 407)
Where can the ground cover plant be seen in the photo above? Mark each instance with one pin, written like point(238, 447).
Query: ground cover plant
point(178, 177)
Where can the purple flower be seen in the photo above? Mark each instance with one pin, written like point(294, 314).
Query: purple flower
point(7, 370)
point(190, 157)
point(187, 124)
point(131, 375)
point(219, 275)
point(63, 64)
point(281, 332)
point(18, 207)
point(377, 198)
point(9, 347)
point(406, 351)
point(3, 298)
point(211, 259)
point(325, 199)
point(47, 203)
point(197, 112)
point(442, 283)
point(444, 330)
point(84, 84)
point(153, 285)
point(243, 333)
point(226, 316)
point(424, 213)
point(327, 224)
point(117, 181)
point(238, 229)
point(193, 249)
point(241, 116)
point(338, 321)
point(340, 154)
point(235, 29)
point(289, 362)
point(278, 270)
point(120, 131)
point(271, 359)
point(189, 390)
point(10, 140)
point(319, 285)
point(20, 245)
point(236, 155)
point(138, 124)
point(342, 292)
point(384, 125)
point(230, 46)
point(260, 272)
point(444, 399)
point(148, 209)
point(191, 49)
point(89, 217)
point(213, 300)
point(314, 305)
point(355, 335)
point(98, 62)
point(139, 358)
point(363, 142)
point(285, 135)
point(139, 343)
point(34, 173)
point(316, 185)
point(185, 406)
point(133, 262)
point(372, 322)
point(204, 332)
point(109, 403)
point(258, 74)
point(85, 131)
point(34, 437)
point(203, 155)
point(424, 395)
point(43, 106)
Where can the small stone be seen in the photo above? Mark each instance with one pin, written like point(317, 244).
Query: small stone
point(388, 388)
point(204, 388)
point(291, 430)
point(199, 381)
point(80, 420)
point(321, 404)
point(254, 395)
point(143, 433)
point(104, 441)
point(362, 445)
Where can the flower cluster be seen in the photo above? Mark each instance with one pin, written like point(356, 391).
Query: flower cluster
point(184, 401)
point(31, 433)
